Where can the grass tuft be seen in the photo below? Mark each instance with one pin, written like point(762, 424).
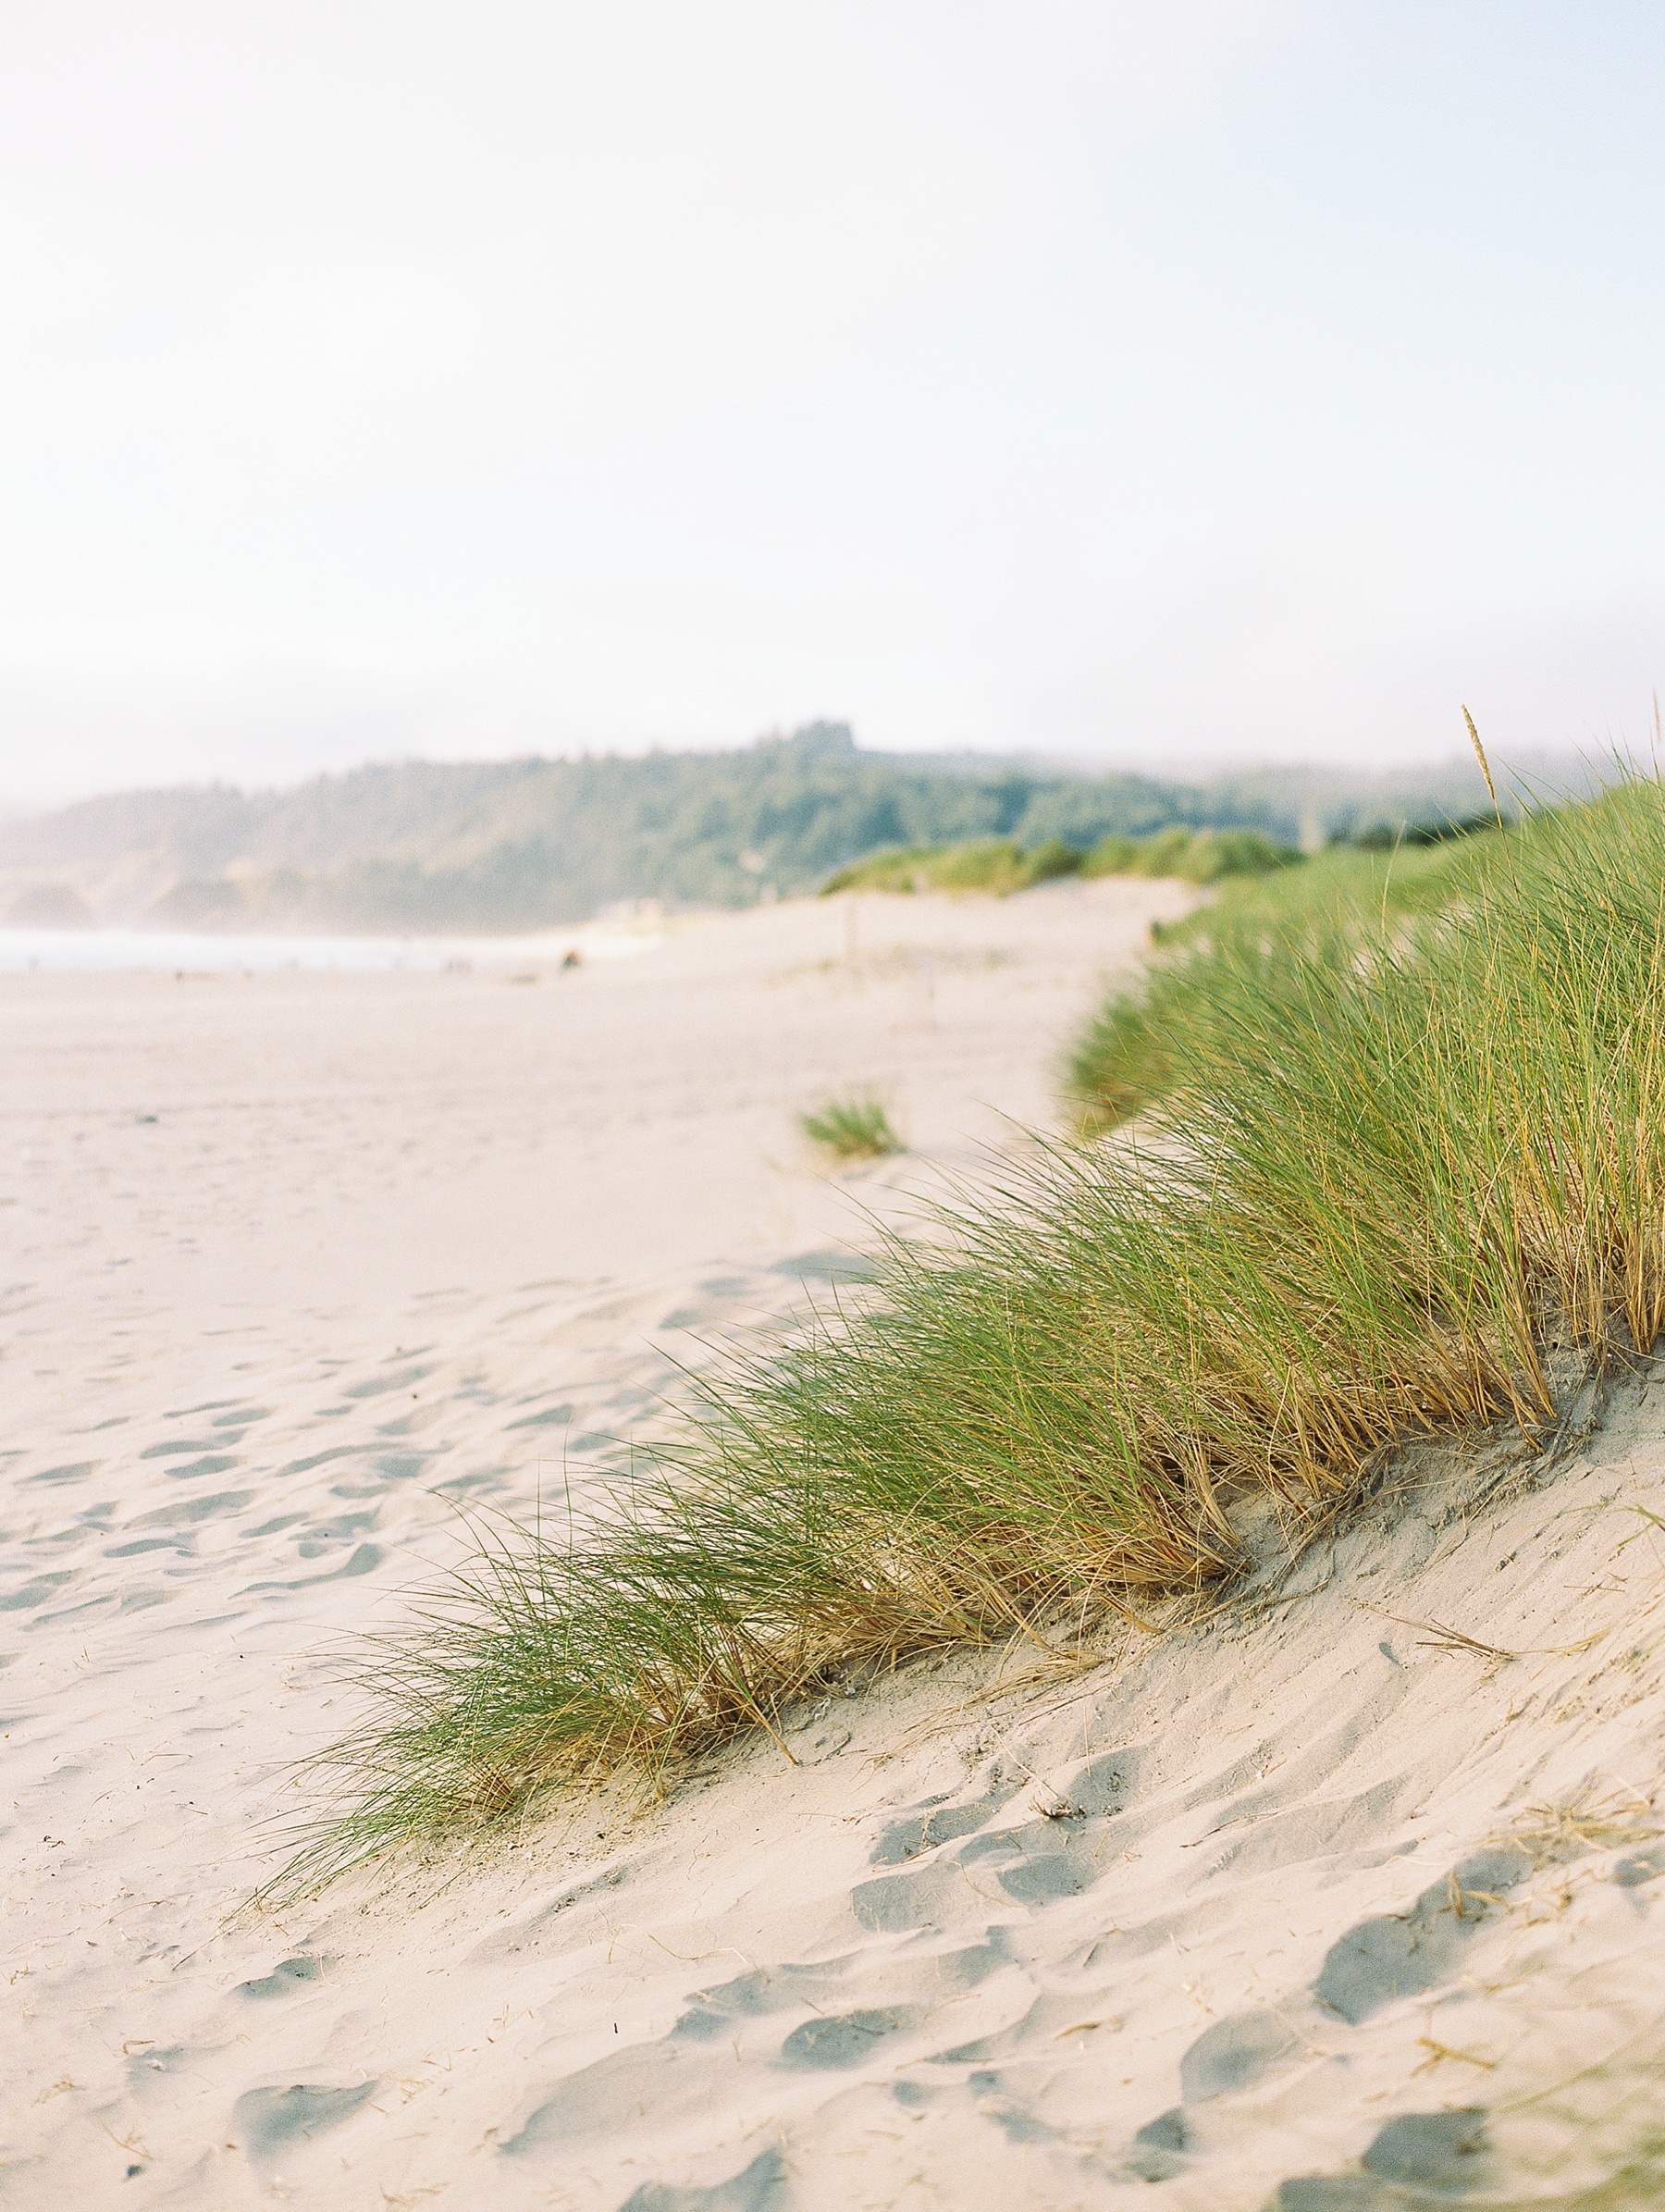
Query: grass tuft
point(852, 1129)
point(1394, 1152)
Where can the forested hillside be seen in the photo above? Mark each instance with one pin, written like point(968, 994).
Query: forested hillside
point(523, 844)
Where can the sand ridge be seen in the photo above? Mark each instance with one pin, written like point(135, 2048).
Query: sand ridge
point(1307, 1902)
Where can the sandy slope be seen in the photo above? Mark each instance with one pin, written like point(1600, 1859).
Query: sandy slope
point(1303, 1903)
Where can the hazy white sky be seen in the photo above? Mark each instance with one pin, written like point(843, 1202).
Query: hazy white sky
point(1159, 382)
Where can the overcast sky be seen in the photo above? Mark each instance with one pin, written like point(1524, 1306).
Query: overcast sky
point(1162, 383)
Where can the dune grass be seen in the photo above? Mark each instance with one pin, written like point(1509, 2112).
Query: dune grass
point(1217, 964)
point(1382, 1177)
point(1190, 856)
point(852, 1129)
point(998, 866)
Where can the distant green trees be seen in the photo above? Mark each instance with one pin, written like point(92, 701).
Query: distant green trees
point(527, 844)
point(518, 845)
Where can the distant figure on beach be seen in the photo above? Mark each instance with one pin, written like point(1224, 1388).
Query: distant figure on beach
point(572, 958)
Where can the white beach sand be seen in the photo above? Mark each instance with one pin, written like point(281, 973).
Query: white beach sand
point(1306, 1903)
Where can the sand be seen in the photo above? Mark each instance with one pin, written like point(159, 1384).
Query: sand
point(1307, 1902)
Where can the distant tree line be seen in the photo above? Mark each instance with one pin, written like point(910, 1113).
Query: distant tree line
point(520, 845)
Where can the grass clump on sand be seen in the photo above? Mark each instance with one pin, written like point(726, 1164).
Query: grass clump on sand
point(852, 1129)
point(998, 866)
point(1220, 961)
point(1386, 1172)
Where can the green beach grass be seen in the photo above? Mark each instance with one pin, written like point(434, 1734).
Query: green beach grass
point(1408, 1133)
point(1216, 965)
point(852, 1129)
point(998, 866)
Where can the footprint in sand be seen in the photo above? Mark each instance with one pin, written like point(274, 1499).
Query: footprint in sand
point(269, 2121)
point(763, 2187)
point(1402, 1954)
point(1420, 2159)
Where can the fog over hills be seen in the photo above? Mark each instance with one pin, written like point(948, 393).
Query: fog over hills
point(518, 845)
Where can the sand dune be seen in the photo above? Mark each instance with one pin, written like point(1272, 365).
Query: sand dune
point(1344, 1895)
